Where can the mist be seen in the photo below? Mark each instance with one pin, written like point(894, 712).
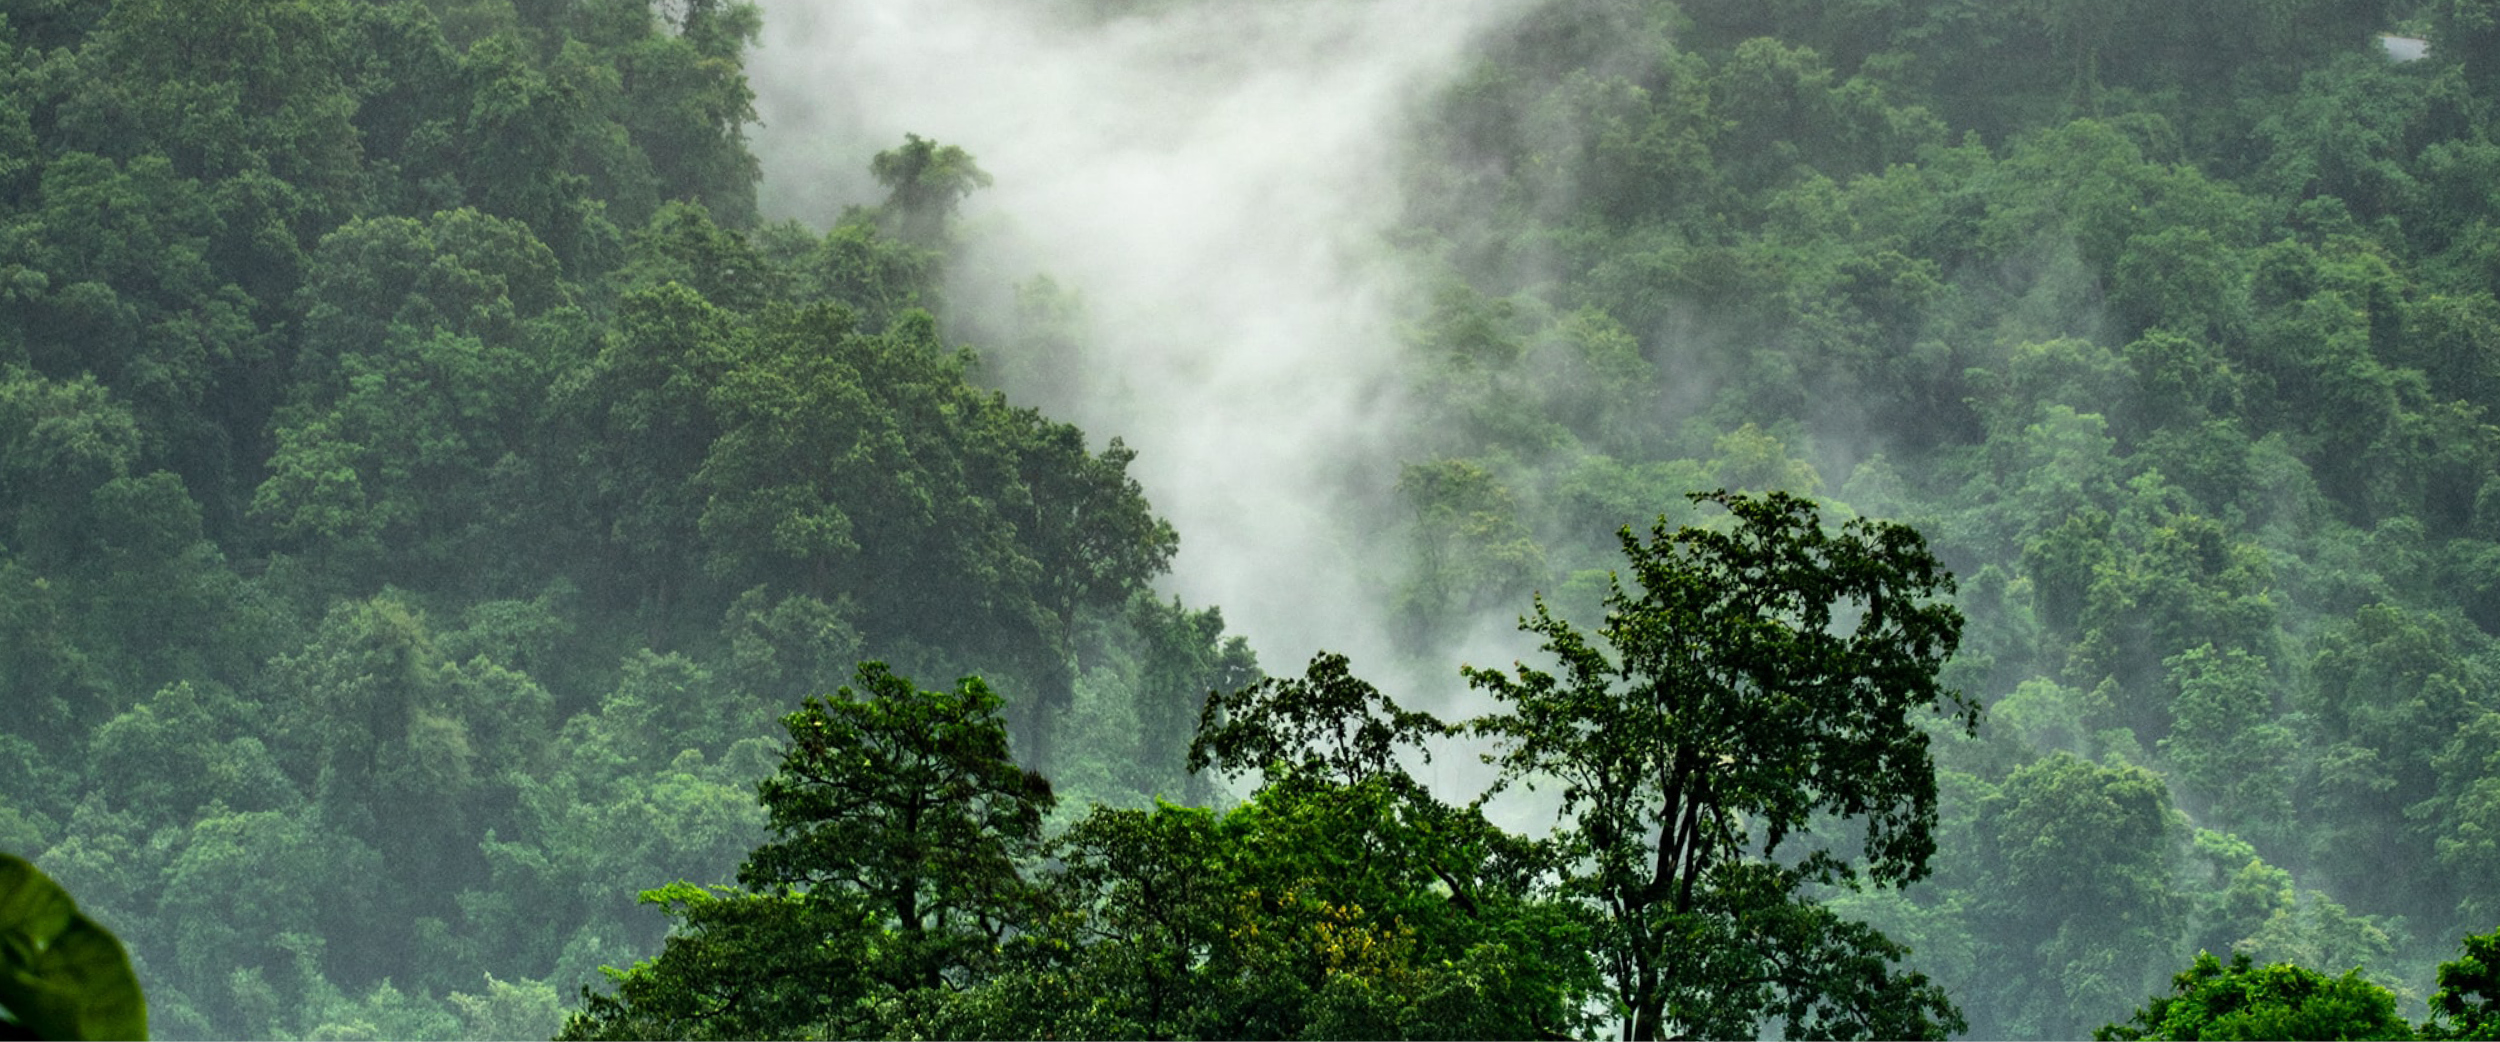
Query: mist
point(1212, 182)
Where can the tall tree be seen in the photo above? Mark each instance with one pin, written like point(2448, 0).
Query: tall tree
point(900, 829)
point(1342, 900)
point(908, 800)
point(926, 181)
point(1754, 689)
point(2072, 905)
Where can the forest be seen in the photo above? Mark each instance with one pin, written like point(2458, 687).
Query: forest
point(2004, 499)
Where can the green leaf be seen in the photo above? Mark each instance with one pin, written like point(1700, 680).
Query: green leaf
point(61, 975)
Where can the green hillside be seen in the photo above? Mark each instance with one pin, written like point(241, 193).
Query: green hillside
point(440, 516)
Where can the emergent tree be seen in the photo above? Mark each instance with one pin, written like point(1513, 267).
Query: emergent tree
point(1755, 689)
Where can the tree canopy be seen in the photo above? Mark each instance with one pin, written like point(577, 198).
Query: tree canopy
point(2244, 1000)
point(1344, 897)
point(429, 476)
point(1755, 689)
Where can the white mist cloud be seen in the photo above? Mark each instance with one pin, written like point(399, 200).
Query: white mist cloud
point(1212, 178)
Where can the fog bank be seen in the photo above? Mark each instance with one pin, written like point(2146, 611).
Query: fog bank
point(1212, 180)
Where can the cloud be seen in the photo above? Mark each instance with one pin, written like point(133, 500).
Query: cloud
point(1213, 180)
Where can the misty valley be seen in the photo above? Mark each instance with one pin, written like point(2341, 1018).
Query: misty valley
point(618, 519)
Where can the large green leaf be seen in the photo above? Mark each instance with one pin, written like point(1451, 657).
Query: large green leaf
point(61, 975)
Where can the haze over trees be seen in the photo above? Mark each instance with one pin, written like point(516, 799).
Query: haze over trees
point(1344, 899)
point(436, 504)
point(427, 481)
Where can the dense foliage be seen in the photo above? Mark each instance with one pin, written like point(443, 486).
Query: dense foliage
point(2247, 1001)
point(1344, 899)
point(425, 480)
point(1758, 685)
point(2171, 325)
point(907, 903)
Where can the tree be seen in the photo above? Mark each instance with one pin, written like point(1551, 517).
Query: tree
point(2071, 903)
point(901, 828)
point(908, 800)
point(686, 104)
point(521, 126)
point(268, 894)
point(184, 749)
point(925, 181)
point(2388, 691)
point(1341, 901)
point(741, 966)
point(2466, 31)
point(426, 351)
point(2224, 742)
point(1757, 688)
point(647, 786)
point(644, 421)
point(399, 749)
point(1185, 657)
point(1471, 550)
point(2244, 1000)
point(2467, 1004)
point(1085, 522)
point(684, 243)
point(866, 465)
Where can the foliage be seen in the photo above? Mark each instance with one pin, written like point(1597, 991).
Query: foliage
point(2079, 896)
point(394, 493)
point(909, 800)
point(1760, 680)
point(926, 180)
point(63, 975)
point(906, 893)
point(2467, 1004)
point(425, 478)
point(900, 826)
point(2245, 1000)
point(739, 965)
point(2163, 342)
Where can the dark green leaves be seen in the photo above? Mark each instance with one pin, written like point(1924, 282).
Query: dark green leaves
point(61, 975)
point(901, 829)
point(908, 799)
point(2467, 1004)
point(1326, 725)
point(741, 966)
point(2245, 1001)
point(1759, 678)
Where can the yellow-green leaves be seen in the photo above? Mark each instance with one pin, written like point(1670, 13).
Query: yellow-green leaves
point(61, 975)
